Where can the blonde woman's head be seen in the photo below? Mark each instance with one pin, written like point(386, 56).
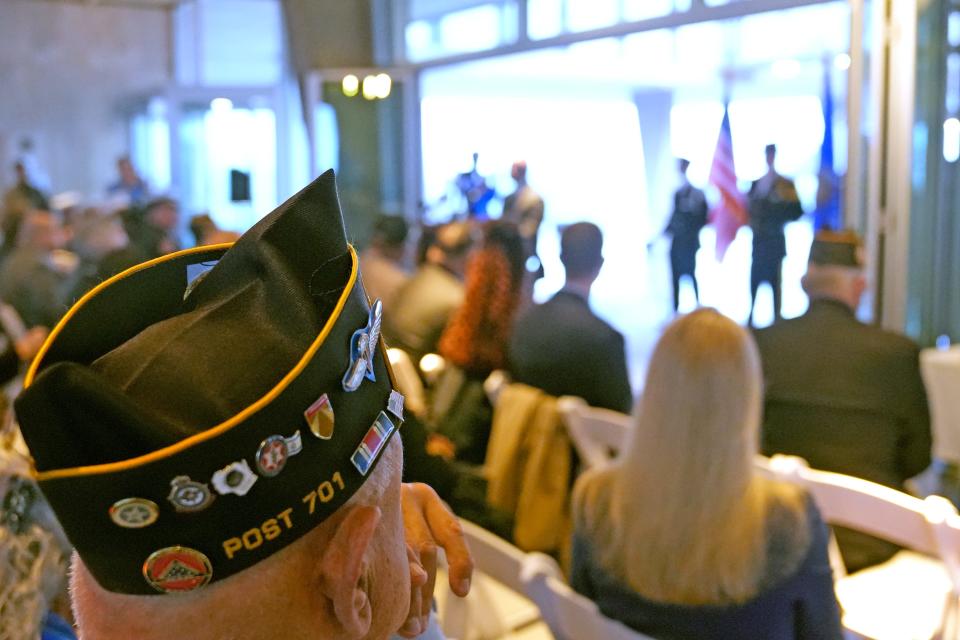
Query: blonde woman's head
point(680, 516)
point(700, 410)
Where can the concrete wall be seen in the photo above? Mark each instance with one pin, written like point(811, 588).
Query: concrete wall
point(65, 72)
point(329, 33)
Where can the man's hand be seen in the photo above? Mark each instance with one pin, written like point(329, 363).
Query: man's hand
point(430, 524)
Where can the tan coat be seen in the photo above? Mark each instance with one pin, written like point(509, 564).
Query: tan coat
point(528, 468)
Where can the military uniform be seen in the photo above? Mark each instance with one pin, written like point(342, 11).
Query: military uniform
point(688, 218)
point(772, 202)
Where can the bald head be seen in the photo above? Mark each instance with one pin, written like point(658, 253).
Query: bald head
point(519, 171)
point(833, 282)
point(348, 578)
point(41, 230)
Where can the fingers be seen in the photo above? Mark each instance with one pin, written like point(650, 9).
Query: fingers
point(445, 532)
point(430, 524)
point(422, 552)
point(448, 534)
point(420, 540)
point(415, 624)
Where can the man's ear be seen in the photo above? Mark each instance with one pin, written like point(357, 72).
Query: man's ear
point(343, 566)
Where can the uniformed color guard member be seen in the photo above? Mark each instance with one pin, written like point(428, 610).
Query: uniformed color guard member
point(688, 218)
point(772, 203)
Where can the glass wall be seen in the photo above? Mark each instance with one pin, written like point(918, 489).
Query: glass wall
point(601, 122)
point(933, 304)
point(580, 117)
point(440, 28)
point(228, 162)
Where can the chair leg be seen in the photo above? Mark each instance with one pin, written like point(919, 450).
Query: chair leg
point(836, 559)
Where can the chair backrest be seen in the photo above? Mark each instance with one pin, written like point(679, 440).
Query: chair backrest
point(596, 433)
point(941, 377)
point(496, 559)
point(931, 526)
point(408, 380)
point(569, 615)
point(494, 384)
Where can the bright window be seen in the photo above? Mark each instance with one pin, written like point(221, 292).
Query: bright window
point(641, 9)
point(591, 14)
point(471, 30)
point(544, 18)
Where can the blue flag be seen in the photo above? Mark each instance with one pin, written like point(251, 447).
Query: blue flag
point(827, 214)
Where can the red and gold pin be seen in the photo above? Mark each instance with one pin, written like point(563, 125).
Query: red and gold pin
point(320, 418)
point(177, 569)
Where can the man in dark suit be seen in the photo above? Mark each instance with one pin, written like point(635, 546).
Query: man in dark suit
point(561, 346)
point(772, 202)
point(524, 208)
point(845, 396)
point(688, 218)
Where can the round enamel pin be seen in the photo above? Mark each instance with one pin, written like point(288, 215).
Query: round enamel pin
point(272, 456)
point(187, 495)
point(134, 513)
point(177, 569)
point(273, 453)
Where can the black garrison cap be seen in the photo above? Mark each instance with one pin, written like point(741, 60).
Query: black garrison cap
point(199, 412)
point(836, 249)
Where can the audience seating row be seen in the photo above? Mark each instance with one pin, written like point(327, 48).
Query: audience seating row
point(518, 596)
point(914, 595)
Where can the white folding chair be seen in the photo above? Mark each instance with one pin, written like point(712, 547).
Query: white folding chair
point(494, 384)
point(569, 615)
point(597, 434)
point(941, 377)
point(913, 595)
point(408, 380)
point(497, 606)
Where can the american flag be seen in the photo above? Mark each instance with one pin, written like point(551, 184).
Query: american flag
point(731, 212)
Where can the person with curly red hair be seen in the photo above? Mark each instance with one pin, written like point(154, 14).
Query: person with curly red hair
point(475, 339)
point(477, 334)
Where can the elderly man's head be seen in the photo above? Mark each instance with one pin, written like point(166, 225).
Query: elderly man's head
point(835, 268)
point(451, 246)
point(216, 430)
point(348, 578)
point(41, 230)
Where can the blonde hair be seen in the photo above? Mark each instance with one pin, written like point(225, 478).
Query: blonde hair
point(680, 516)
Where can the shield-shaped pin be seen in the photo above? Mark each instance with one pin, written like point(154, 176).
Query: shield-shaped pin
point(319, 417)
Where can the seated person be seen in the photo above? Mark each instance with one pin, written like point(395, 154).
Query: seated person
point(679, 538)
point(475, 340)
point(34, 274)
point(845, 396)
point(383, 271)
point(560, 346)
point(221, 487)
point(423, 306)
